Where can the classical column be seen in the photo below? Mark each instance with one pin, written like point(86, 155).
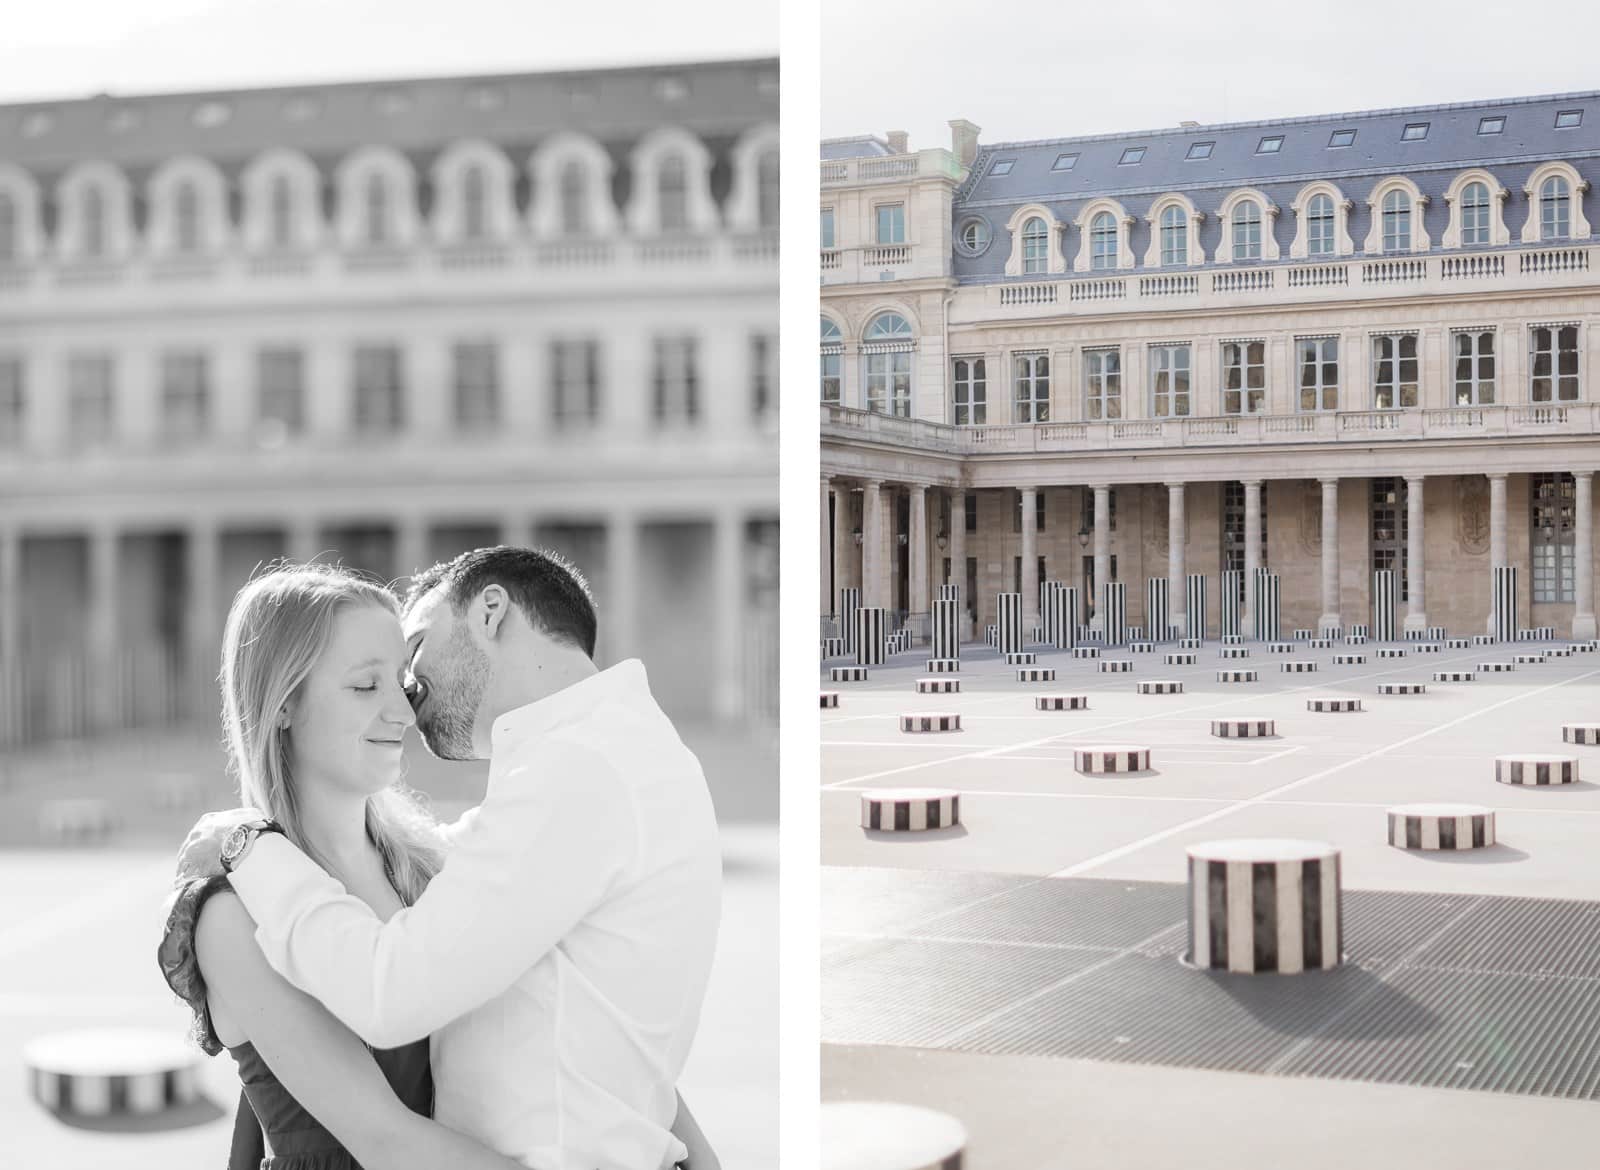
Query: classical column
point(874, 580)
point(827, 552)
point(958, 554)
point(917, 599)
point(1102, 548)
point(844, 544)
point(104, 675)
point(1177, 536)
point(1330, 619)
point(10, 632)
point(204, 632)
point(1583, 623)
point(1252, 551)
point(617, 634)
point(1030, 561)
point(727, 673)
point(1416, 588)
point(1497, 536)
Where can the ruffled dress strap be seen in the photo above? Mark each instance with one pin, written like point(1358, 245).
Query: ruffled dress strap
point(180, 965)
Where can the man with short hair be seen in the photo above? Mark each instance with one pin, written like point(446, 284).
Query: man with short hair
point(560, 958)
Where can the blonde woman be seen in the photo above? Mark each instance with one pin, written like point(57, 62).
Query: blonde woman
point(315, 711)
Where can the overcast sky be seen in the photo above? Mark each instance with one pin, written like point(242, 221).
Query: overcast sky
point(70, 48)
point(1039, 70)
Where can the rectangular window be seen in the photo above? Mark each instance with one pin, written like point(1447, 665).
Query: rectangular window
point(1553, 363)
point(763, 377)
point(184, 394)
point(831, 366)
point(477, 384)
point(12, 402)
point(891, 223)
point(1340, 138)
point(970, 511)
point(1474, 367)
point(1552, 497)
point(574, 382)
point(1064, 162)
point(827, 227)
point(1247, 232)
point(1319, 372)
point(1491, 125)
point(1414, 132)
point(1319, 227)
point(1003, 167)
point(280, 389)
point(380, 391)
point(89, 405)
point(1272, 144)
point(1390, 521)
point(1033, 388)
point(1394, 371)
point(889, 383)
point(1169, 381)
point(971, 392)
point(675, 380)
point(1132, 156)
point(1244, 377)
point(1102, 384)
point(1200, 150)
point(1569, 119)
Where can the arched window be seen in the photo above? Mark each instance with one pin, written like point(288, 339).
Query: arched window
point(888, 325)
point(1555, 209)
point(1174, 236)
point(1397, 222)
point(887, 349)
point(377, 200)
point(1247, 231)
point(280, 209)
point(672, 194)
point(474, 204)
point(1475, 214)
point(9, 248)
point(1103, 241)
point(767, 189)
point(186, 219)
point(1035, 245)
point(832, 355)
point(1320, 226)
point(574, 214)
point(94, 222)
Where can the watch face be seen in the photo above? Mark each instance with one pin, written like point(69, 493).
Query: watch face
point(233, 843)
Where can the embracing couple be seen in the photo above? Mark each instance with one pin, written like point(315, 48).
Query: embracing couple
point(519, 988)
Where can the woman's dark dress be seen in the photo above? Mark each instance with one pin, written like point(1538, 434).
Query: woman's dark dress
point(268, 1117)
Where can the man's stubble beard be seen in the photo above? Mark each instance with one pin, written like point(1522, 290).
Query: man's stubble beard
point(453, 704)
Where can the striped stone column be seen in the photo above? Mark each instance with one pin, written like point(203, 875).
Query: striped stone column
point(1330, 619)
point(1232, 619)
point(1416, 588)
point(946, 643)
point(1008, 622)
point(872, 642)
point(1383, 605)
point(1114, 612)
point(1503, 603)
point(1194, 605)
point(1156, 606)
point(849, 603)
point(1264, 906)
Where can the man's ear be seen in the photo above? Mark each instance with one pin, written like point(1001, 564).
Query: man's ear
point(490, 612)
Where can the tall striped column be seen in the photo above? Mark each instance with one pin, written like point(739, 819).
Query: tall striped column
point(1383, 605)
point(1264, 906)
point(1503, 603)
point(849, 604)
point(1194, 613)
point(1264, 605)
point(1114, 608)
point(1231, 618)
point(1008, 619)
point(872, 635)
point(1155, 609)
point(946, 640)
point(1067, 612)
point(948, 593)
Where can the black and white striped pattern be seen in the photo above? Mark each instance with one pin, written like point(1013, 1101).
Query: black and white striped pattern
point(1060, 614)
point(1237, 676)
point(1355, 639)
point(1008, 622)
point(1036, 674)
point(1495, 668)
point(1537, 634)
point(832, 648)
point(1558, 652)
point(898, 642)
point(1061, 702)
point(1280, 647)
point(1360, 631)
point(1243, 727)
point(1585, 733)
point(107, 1072)
point(1503, 602)
point(1157, 607)
point(848, 674)
point(1321, 643)
point(1265, 612)
point(1349, 659)
point(1391, 652)
point(1383, 595)
point(1159, 687)
point(991, 634)
point(1086, 652)
point(849, 602)
point(1190, 643)
point(114, 1095)
point(1133, 633)
point(924, 721)
point(910, 810)
point(1115, 665)
point(1095, 758)
point(1402, 688)
point(1232, 639)
point(945, 628)
point(1036, 635)
point(1022, 658)
point(1428, 648)
point(1536, 771)
point(1333, 703)
point(1303, 635)
point(1441, 826)
point(1458, 643)
point(1587, 647)
point(943, 665)
point(1114, 612)
point(1233, 652)
point(1483, 639)
point(1454, 676)
point(830, 699)
point(1264, 906)
point(1530, 659)
point(947, 593)
point(1180, 658)
point(938, 686)
point(1194, 616)
point(1431, 634)
point(1141, 647)
point(872, 640)
point(1090, 634)
point(1304, 666)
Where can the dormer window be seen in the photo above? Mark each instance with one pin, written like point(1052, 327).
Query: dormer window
point(376, 200)
point(1199, 150)
point(672, 194)
point(1555, 209)
point(574, 217)
point(1064, 162)
point(1396, 222)
point(1341, 138)
point(1271, 144)
point(1035, 245)
point(1494, 124)
point(94, 223)
point(1569, 119)
point(186, 219)
point(1132, 156)
point(767, 189)
point(1103, 242)
point(280, 210)
point(1002, 168)
point(474, 204)
point(1414, 132)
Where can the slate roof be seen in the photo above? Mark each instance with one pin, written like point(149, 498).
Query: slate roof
point(864, 146)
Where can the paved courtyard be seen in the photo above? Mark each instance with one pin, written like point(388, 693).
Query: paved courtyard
point(1022, 971)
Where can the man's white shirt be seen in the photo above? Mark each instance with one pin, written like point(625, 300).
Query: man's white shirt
point(560, 959)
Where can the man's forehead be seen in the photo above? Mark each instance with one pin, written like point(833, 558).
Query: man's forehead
point(422, 616)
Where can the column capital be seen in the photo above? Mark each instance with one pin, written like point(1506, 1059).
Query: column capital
point(1252, 483)
point(1415, 478)
point(1583, 474)
point(1178, 484)
point(1500, 475)
point(1329, 480)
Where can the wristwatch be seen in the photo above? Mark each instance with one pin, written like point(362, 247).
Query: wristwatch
point(236, 845)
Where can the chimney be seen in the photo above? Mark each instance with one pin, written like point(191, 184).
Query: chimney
point(899, 141)
point(964, 141)
point(1188, 125)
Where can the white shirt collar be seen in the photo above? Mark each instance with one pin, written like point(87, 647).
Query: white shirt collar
point(568, 704)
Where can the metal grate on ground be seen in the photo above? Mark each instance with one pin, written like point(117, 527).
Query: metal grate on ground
point(1442, 990)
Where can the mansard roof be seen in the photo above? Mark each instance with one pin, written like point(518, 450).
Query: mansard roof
point(862, 146)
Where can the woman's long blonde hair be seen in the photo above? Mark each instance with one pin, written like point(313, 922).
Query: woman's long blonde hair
point(278, 627)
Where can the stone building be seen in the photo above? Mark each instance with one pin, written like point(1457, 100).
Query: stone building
point(385, 323)
point(1320, 345)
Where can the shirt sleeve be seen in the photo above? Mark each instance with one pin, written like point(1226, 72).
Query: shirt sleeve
point(547, 846)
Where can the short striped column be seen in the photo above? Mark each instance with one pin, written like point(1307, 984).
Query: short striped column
point(1304, 666)
point(1267, 905)
point(1237, 676)
point(1585, 733)
point(1321, 643)
point(1383, 597)
point(830, 699)
point(1503, 602)
point(1022, 658)
point(1092, 759)
point(1180, 658)
point(1529, 659)
point(930, 721)
point(848, 674)
point(1159, 686)
point(943, 665)
point(1280, 647)
point(1036, 674)
point(1303, 635)
point(849, 602)
point(1402, 688)
point(1086, 652)
point(110, 1072)
point(1483, 639)
point(1060, 614)
point(1391, 652)
point(872, 642)
point(1536, 770)
point(833, 648)
point(1233, 652)
point(1496, 667)
point(1431, 827)
point(1457, 676)
point(1327, 703)
point(1427, 647)
point(1114, 612)
point(1157, 607)
point(1141, 647)
point(1232, 640)
point(1458, 643)
point(1431, 634)
point(910, 810)
point(1008, 622)
point(1116, 665)
point(1268, 603)
point(1558, 652)
point(1194, 587)
point(1190, 643)
point(1243, 727)
point(1061, 702)
point(991, 634)
point(1349, 659)
point(938, 686)
point(945, 628)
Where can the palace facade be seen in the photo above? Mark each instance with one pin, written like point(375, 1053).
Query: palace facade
point(1323, 346)
point(384, 323)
